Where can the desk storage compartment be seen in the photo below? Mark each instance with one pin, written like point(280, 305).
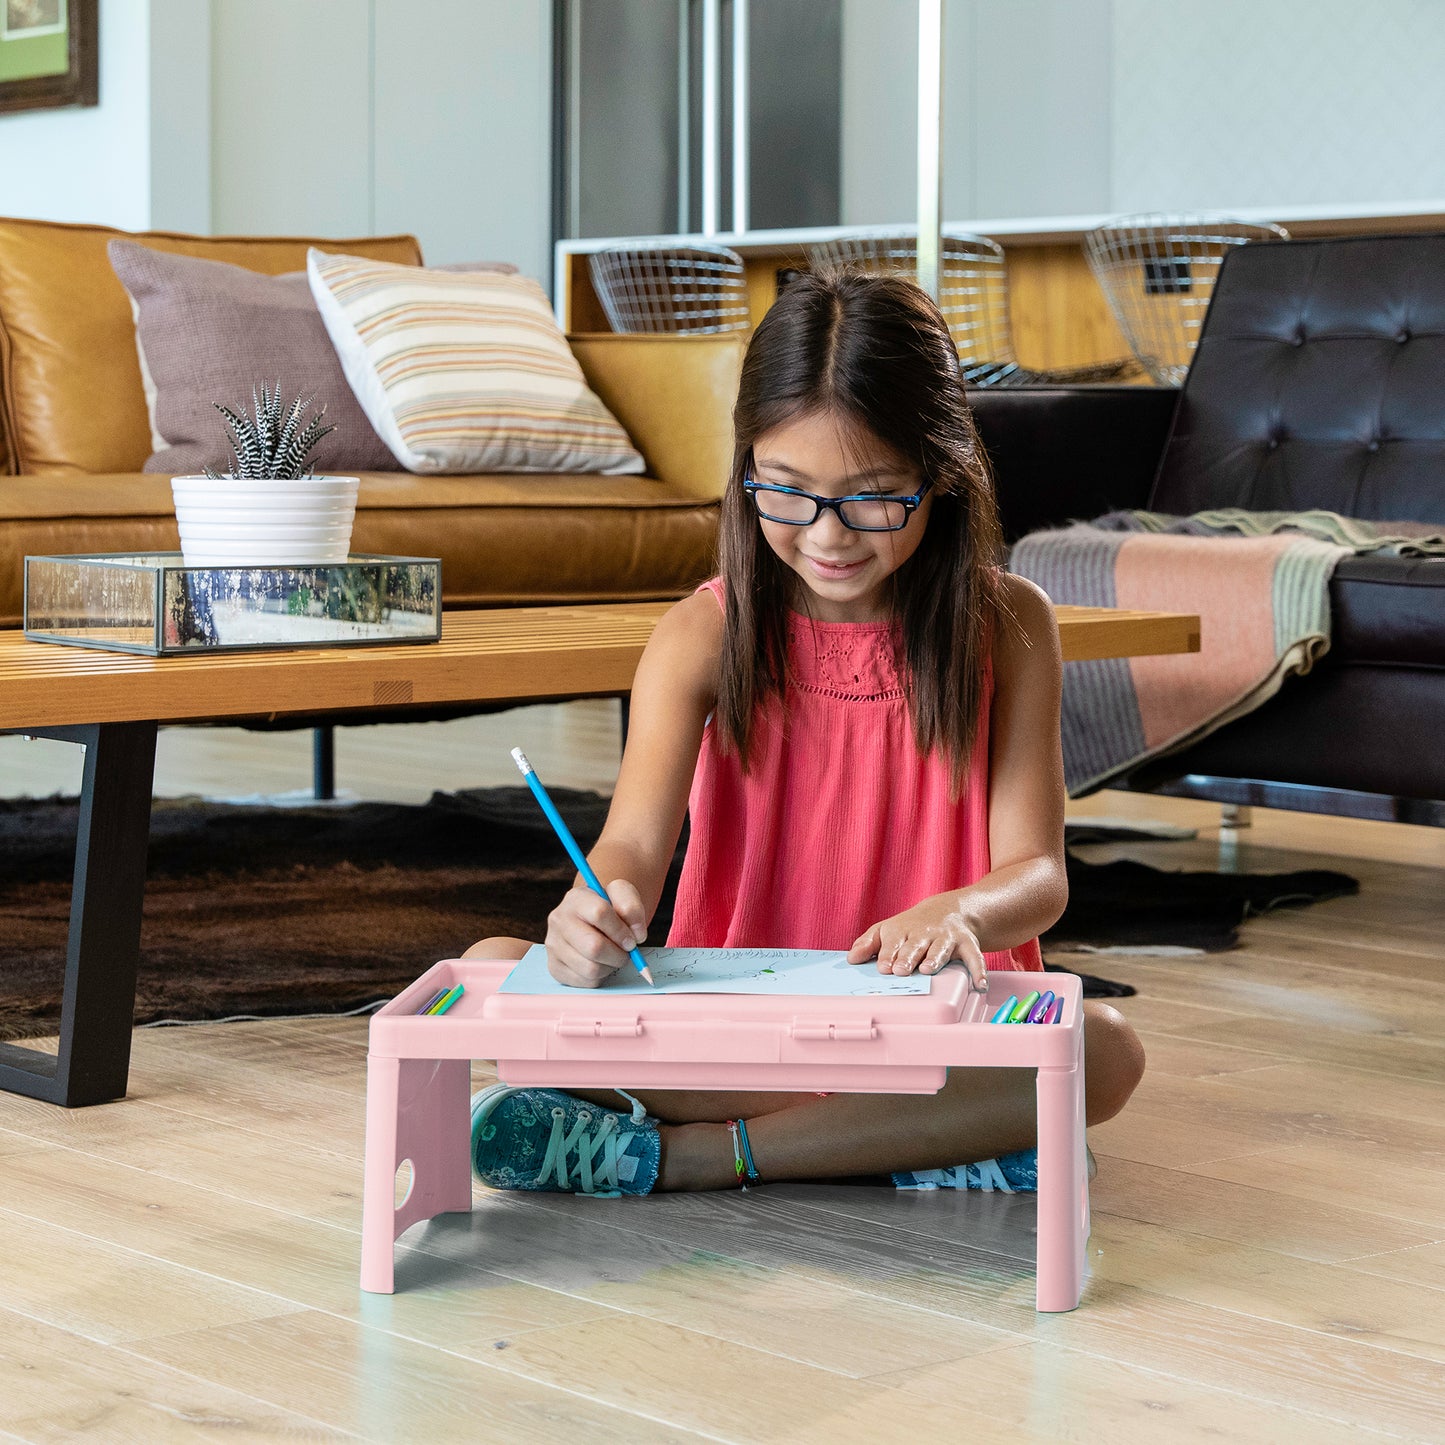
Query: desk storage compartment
point(680, 1041)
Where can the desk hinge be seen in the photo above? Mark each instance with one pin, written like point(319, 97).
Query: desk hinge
point(627, 1028)
point(851, 1032)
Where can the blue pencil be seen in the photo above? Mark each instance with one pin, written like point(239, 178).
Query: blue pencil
point(570, 844)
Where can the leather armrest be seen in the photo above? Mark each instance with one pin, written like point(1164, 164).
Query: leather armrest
point(1061, 453)
point(674, 395)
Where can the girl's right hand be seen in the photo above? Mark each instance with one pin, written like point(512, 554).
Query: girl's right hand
point(588, 937)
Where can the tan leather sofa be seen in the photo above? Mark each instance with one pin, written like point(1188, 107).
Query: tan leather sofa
point(74, 436)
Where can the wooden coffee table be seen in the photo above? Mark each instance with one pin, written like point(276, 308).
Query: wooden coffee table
point(112, 703)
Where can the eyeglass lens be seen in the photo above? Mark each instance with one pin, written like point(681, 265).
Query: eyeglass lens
point(875, 513)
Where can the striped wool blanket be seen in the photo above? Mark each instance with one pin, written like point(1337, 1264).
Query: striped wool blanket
point(1260, 584)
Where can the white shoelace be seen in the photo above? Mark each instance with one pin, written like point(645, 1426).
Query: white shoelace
point(589, 1142)
point(985, 1175)
point(988, 1175)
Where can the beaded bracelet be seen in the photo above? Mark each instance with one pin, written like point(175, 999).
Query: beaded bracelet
point(742, 1154)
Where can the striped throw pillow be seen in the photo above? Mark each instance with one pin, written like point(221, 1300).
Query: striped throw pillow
point(464, 372)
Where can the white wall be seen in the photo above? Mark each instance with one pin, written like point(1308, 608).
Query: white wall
point(1069, 107)
point(362, 116)
point(1040, 72)
point(89, 163)
point(180, 115)
point(307, 117)
point(878, 178)
point(291, 117)
point(463, 97)
point(1286, 103)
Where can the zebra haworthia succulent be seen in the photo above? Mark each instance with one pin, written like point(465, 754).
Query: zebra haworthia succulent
point(276, 442)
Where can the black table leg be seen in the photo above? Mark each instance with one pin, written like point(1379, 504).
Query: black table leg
point(323, 762)
point(103, 951)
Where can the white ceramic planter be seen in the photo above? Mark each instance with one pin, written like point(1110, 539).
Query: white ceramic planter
point(229, 523)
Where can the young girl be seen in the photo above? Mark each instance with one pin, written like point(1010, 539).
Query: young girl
point(862, 716)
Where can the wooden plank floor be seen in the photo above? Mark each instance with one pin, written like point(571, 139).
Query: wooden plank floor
point(1267, 1262)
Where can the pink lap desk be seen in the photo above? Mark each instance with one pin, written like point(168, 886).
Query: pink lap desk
point(418, 1078)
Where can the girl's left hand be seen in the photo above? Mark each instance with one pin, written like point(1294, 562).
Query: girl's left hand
point(921, 939)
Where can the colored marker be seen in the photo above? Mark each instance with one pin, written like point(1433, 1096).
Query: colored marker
point(1041, 1008)
point(433, 1001)
point(1022, 1011)
point(450, 999)
point(570, 844)
point(450, 996)
point(1001, 1017)
point(1056, 1011)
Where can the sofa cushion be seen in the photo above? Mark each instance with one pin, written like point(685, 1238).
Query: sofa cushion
point(502, 539)
point(71, 388)
point(464, 374)
point(208, 332)
point(1316, 384)
point(1389, 610)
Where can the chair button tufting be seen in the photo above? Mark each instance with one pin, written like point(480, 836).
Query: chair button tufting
point(1403, 337)
point(1298, 339)
point(1374, 446)
point(1273, 443)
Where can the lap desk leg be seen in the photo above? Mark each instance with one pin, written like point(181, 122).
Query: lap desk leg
point(418, 1072)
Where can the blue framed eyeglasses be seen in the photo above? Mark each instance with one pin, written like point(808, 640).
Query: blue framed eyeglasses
point(866, 512)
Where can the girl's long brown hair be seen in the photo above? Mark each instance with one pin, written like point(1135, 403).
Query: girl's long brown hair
point(874, 349)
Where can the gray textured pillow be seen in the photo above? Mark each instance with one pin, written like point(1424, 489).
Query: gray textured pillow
point(207, 331)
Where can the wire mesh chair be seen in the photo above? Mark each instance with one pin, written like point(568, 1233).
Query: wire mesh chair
point(671, 288)
point(1157, 272)
point(973, 296)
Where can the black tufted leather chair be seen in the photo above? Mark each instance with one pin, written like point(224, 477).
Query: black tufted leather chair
point(1319, 381)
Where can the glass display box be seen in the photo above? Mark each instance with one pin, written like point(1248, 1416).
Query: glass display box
point(152, 603)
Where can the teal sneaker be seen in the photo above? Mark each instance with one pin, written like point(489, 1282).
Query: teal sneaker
point(542, 1139)
point(1010, 1173)
point(1016, 1173)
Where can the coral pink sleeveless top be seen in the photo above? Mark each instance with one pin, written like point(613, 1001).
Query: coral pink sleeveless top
point(840, 823)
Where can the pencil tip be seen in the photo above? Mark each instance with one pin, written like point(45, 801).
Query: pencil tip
point(647, 974)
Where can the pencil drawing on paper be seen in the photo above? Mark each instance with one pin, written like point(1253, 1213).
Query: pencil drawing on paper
point(819, 973)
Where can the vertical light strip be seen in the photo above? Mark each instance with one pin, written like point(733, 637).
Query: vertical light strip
point(711, 87)
point(740, 115)
point(684, 115)
point(930, 142)
point(574, 117)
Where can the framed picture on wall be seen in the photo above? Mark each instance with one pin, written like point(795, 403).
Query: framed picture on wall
point(49, 53)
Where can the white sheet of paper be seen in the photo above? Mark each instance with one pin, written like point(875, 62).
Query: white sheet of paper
point(817, 973)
